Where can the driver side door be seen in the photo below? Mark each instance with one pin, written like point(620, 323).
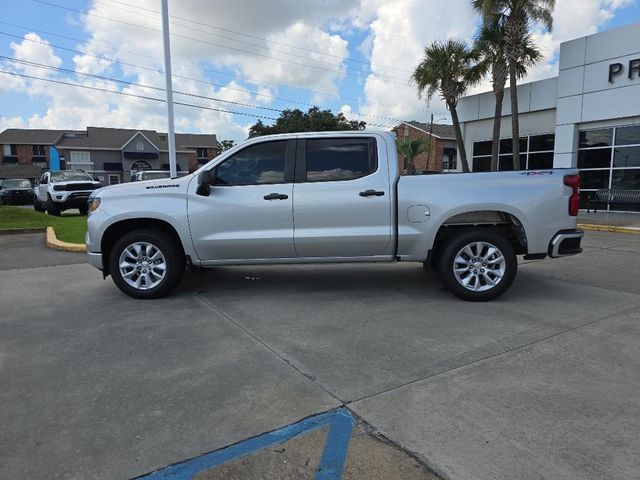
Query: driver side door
point(248, 215)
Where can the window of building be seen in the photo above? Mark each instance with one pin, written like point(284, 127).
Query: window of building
point(10, 152)
point(609, 158)
point(80, 161)
point(450, 162)
point(39, 155)
point(536, 153)
point(255, 165)
point(335, 159)
point(114, 179)
point(139, 146)
point(203, 156)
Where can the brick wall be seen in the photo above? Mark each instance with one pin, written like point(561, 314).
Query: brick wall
point(425, 161)
point(24, 153)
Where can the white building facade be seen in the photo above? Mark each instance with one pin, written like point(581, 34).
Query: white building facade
point(588, 117)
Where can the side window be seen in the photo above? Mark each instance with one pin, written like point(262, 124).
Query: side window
point(259, 164)
point(334, 159)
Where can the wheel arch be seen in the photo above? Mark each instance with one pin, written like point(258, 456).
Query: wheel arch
point(117, 229)
point(505, 223)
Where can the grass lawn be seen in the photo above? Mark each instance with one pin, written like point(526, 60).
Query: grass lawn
point(68, 228)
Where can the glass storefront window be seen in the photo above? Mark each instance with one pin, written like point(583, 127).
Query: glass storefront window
point(627, 179)
point(541, 143)
point(625, 157)
point(482, 164)
point(505, 163)
point(506, 145)
point(482, 148)
point(540, 161)
point(628, 135)
point(596, 138)
point(598, 158)
point(593, 179)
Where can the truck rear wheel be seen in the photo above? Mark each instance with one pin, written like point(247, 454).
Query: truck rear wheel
point(146, 264)
point(478, 265)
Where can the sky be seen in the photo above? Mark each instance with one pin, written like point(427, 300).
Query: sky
point(69, 64)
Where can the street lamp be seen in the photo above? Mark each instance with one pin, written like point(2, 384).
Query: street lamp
point(171, 136)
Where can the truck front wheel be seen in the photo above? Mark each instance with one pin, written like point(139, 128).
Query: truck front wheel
point(478, 265)
point(52, 207)
point(146, 264)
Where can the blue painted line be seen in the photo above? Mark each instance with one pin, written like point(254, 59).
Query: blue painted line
point(331, 464)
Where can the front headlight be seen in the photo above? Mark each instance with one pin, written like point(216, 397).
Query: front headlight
point(94, 203)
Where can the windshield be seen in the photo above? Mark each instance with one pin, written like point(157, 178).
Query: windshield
point(70, 175)
point(154, 175)
point(16, 184)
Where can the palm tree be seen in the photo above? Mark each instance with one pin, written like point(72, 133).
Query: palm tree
point(516, 16)
point(410, 149)
point(447, 67)
point(491, 47)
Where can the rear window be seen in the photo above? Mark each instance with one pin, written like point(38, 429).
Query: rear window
point(335, 159)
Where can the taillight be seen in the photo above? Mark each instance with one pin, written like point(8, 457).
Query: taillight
point(573, 181)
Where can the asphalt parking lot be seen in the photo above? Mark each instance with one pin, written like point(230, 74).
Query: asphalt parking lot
point(542, 383)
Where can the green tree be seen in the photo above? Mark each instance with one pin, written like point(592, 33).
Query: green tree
point(516, 16)
point(491, 49)
point(410, 149)
point(227, 144)
point(448, 67)
point(315, 120)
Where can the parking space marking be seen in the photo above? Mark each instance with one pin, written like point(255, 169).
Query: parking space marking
point(332, 462)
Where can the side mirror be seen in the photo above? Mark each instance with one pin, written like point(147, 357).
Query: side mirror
point(96, 179)
point(204, 183)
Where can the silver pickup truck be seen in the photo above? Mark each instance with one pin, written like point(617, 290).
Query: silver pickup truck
point(331, 197)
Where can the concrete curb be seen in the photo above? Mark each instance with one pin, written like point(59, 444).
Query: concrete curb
point(53, 242)
point(609, 228)
point(18, 231)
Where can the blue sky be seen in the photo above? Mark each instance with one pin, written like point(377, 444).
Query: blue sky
point(252, 58)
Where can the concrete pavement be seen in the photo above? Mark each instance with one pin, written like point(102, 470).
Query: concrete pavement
point(539, 384)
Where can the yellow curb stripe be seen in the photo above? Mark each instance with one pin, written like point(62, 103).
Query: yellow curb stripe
point(53, 242)
point(609, 228)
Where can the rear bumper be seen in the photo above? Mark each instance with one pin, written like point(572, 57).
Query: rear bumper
point(565, 243)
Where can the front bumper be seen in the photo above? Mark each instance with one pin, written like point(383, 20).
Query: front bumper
point(565, 243)
point(95, 259)
point(75, 199)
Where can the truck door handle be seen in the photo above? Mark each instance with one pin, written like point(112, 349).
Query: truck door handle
point(276, 196)
point(371, 193)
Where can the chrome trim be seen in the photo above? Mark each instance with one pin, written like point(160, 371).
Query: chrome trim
point(554, 246)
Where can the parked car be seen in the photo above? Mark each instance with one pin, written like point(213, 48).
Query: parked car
point(331, 197)
point(16, 191)
point(59, 191)
point(152, 175)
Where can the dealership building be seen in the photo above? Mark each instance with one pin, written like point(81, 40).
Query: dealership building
point(587, 117)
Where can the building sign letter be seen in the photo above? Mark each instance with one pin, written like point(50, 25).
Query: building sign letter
point(614, 70)
point(634, 68)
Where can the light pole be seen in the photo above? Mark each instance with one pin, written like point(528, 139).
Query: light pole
point(171, 136)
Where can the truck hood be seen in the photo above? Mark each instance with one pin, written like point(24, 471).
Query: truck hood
point(77, 182)
point(146, 187)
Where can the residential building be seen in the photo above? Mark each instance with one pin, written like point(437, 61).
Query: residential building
point(109, 154)
point(588, 117)
point(442, 156)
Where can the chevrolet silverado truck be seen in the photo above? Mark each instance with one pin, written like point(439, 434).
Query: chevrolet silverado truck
point(331, 197)
point(59, 191)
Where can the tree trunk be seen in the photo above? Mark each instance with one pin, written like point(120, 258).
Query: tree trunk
point(459, 139)
point(497, 122)
point(515, 122)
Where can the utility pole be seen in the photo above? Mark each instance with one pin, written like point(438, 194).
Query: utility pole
point(171, 136)
point(430, 142)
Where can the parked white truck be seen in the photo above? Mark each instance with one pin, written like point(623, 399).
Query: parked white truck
point(59, 191)
point(331, 197)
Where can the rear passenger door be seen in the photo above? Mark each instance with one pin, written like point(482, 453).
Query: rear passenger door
point(342, 198)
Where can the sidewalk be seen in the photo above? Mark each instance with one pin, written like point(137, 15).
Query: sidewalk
point(616, 219)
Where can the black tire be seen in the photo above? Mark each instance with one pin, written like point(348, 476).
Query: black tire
point(173, 258)
point(53, 208)
point(484, 270)
point(37, 206)
point(84, 209)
